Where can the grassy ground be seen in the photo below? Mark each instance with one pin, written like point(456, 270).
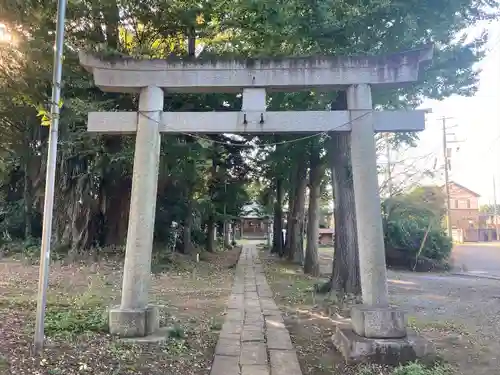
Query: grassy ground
point(311, 320)
point(192, 297)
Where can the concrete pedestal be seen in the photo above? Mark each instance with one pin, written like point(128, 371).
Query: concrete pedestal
point(378, 322)
point(357, 349)
point(134, 322)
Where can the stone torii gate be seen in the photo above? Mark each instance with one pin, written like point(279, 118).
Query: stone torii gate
point(253, 78)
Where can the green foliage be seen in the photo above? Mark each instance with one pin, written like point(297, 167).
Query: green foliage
point(176, 332)
point(411, 218)
point(489, 209)
point(405, 234)
point(198, 178)
point(420, 369)
point(414, 368)
point(74, 320)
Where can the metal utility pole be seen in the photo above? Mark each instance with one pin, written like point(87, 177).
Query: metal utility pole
point(43, 280)
point(446, 178)
point(389, 172)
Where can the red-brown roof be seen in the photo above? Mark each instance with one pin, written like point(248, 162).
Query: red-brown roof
point(464, 188)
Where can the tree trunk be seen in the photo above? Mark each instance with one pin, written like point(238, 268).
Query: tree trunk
point(210, 234)
point(278, 220)
point(227, 240)
point(27, 198)
point(296, 249)
point(191, 41)
point(188, 225)
point(345, 279)
point(311, 263)
point(289, 218)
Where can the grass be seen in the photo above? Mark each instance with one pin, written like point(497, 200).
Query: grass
point(414, 368)
point(192, 297)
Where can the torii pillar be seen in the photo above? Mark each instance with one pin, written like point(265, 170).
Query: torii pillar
point(377, 329)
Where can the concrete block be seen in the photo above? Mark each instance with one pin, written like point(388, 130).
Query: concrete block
point(378, 321)
point(235, 315)
point(252, 334)
point(230, 347)
point(278, 339)
point(225, 365)
point(358, 349)
point(274, 321)
point(253, 353)
point(231, 327)
point(127, 323)
point(254, 370)
point(152, 319)
point(284, 362)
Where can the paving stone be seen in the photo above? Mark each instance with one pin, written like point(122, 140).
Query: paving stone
point(252, 334)
point(254, 370)
point(278, 339)
point(253, 312)
point(267, 301)
point(253, 353)
point(232, 327)
point(254, 319)
point(235, 315)
point(226, 346)
point(274, 321)
point(284, 362)
point(237, 303)
point(229, 335)
point(251, 295)
point(224, 365)
point(252, 303)
point(242, 348)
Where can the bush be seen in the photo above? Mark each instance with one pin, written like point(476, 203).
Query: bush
point(405, 226)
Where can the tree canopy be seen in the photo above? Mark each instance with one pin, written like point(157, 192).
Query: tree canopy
point(203, 180)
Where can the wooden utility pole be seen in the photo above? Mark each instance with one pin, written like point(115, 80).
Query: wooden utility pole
point(446, 178)
point(447, 167)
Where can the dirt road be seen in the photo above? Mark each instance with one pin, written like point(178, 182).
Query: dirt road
point(478, 258)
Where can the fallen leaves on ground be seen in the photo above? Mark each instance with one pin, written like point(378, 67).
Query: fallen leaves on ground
point(193, 298)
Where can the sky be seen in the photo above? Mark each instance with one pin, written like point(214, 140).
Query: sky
point(474, 122)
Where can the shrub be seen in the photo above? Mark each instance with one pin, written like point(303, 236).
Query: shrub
point(405, 226)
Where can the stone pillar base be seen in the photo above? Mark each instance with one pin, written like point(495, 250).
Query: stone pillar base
point(358, 349)
point(133, 322)
point(378, 322)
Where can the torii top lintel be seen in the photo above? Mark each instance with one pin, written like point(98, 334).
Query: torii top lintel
point(126, 74)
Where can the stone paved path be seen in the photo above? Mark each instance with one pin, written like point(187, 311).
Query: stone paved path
point(253, 339)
